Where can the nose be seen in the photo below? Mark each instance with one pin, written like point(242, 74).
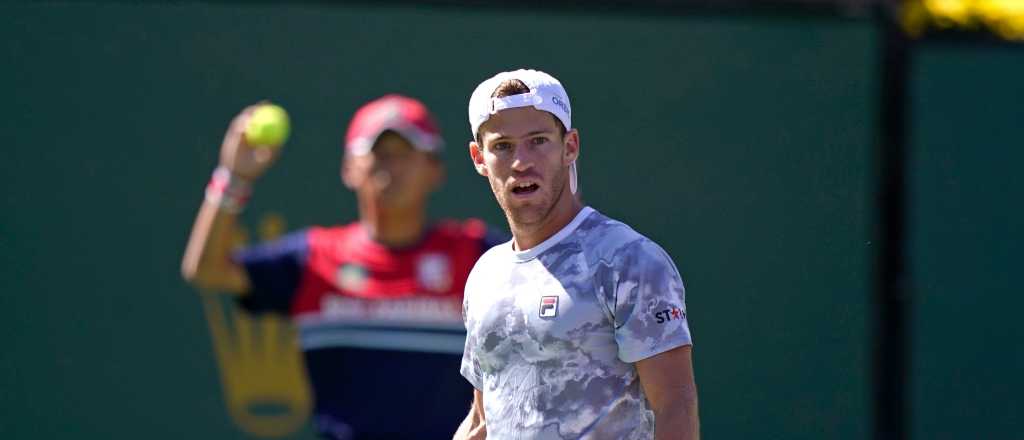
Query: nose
point(522, 157)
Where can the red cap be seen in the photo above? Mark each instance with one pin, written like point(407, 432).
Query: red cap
point(406, 116)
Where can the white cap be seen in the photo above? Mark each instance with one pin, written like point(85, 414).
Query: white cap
point(546, 94)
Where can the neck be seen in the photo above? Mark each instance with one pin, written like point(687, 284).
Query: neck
point(392, 227)
point(527, 236)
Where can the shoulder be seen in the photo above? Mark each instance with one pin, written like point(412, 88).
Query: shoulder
point(603, 237)
point(468, 229)
point(617, 248)
point(492, 259)
point(497, 254)
point(469, 232)
point(293, 246)
point(332, 236)
point(490, 265)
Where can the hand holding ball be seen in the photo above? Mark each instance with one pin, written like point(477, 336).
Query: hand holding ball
point(268, 126)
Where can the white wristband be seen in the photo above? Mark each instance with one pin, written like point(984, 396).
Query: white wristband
point(228, 191)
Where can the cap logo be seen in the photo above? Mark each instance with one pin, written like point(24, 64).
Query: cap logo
point(561, 104)
point(386, 113)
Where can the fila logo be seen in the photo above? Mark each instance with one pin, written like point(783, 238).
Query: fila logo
point(669, 314)
point(548, 306)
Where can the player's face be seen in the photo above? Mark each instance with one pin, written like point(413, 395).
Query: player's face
point(526, 160)
point(393, 174)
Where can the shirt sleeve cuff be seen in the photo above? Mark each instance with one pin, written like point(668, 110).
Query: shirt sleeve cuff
point(471, 376)
point(631, 356)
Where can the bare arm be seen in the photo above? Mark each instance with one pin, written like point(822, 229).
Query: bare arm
point(207, 262)
point(668, 382)
point(474, 427)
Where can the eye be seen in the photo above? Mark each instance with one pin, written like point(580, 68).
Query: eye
point(501, 146)
point(539, 140)
point(384, 158)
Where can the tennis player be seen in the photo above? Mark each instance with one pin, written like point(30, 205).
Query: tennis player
point(577, 327)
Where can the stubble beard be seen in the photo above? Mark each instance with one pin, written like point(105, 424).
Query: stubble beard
point(532, 216)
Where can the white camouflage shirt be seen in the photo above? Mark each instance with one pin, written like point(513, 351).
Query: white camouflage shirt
point(553, 332)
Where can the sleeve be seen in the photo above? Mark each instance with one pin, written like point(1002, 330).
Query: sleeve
point(274, 269)
point(649, 302)
point(470, 368)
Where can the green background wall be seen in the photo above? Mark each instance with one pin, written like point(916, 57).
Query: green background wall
point(740, 144)
point(965, 223)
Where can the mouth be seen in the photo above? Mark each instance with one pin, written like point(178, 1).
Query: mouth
point(525, 189)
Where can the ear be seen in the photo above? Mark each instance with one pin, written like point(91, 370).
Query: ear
point(347, 177)
point(572, 146)
point(476, 153)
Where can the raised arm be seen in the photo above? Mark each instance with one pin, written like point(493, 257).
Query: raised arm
point(668, 382)
point(207, 262)
point(474, 427)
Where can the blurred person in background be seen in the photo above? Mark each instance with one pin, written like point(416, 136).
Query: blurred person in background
point(378, 301)
point(576, 328)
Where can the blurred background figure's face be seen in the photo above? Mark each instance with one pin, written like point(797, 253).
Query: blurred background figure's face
point(393, 174)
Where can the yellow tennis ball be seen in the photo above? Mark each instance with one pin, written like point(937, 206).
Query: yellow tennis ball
point(268, 126)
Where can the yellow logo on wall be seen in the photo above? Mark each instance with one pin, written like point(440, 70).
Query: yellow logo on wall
point(261, 367)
